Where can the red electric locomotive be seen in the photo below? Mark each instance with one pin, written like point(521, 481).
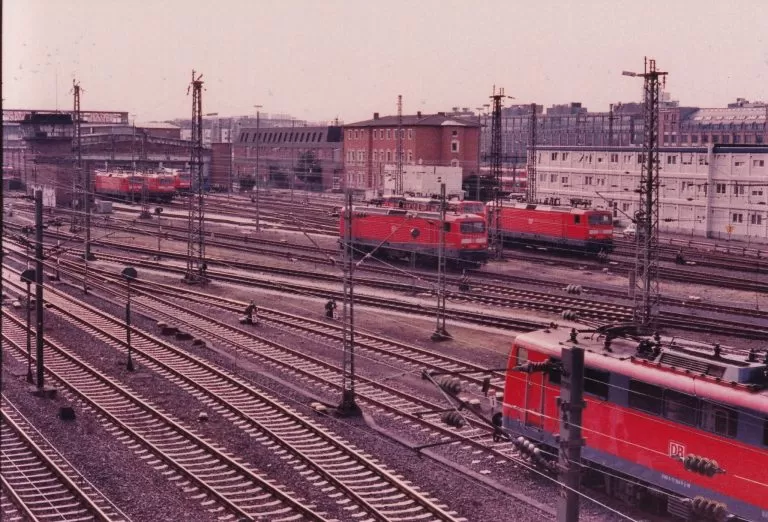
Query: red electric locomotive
point(455, 206)
point(399, 233)
point(182, 181)
point(135, 186)
point(676, 424)
point(564, 227)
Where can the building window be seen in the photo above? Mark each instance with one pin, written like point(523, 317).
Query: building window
point(542, 177)
point(375, 156)
point(756, 219)
point(720, 188)
point(410, 134)
point(454, 145)
point(625, 207)
point(726, 138)
point(454, 133)
point(737, 218)
point(684, 138)
point(410, 156)
point(389, 135)
point(758, 138)
point(757, 192)
point(640, 158)
point(694, 139)
point(614, 158)
point(671, 160)
point(554, 156)
point(736, 139)
point(349, 134)
point(738, 190)
point(758, 163)
point(715, 138)
point(705, 138)
point(389, 154)
point(587, 180)
point(565, 156)
point(553, 178)
point(673, 138)
point(564, 180)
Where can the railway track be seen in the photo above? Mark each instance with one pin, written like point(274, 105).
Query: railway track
point(38, 483)
point(373, 490)
point(497, 295)
point(221, 482)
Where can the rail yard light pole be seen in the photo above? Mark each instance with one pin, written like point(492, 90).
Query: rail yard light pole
point(28, 276)
point(258, 173)
point(129, 273)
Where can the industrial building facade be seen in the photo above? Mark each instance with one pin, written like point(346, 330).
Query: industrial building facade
point(430, 140)
point(304, 158)
point(719, 191)
point(741, 123)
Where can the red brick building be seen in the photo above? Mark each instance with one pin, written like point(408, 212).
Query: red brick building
point(437, 139)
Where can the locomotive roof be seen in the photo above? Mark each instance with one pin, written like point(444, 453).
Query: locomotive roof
point(550, 208)
point(121, 174)
point(710, 371)
point(389, 211)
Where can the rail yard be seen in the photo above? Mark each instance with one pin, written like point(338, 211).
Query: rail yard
point(329, 292)
point(239, 415)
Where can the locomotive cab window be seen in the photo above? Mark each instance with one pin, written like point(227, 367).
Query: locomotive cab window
point(447, 227)
point(681, 407)
point(577, 219)
point(765, 432)
point(522, 356)
point(596, 382)
point(472, 227)
point(645, 397)
point(599, 219)
point(718, 419)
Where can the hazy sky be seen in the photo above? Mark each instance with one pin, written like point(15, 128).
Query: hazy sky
point(321, 59)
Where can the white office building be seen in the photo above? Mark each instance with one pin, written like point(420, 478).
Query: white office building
point(720, 191)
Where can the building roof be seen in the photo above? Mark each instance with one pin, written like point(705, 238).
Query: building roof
point(737, 114)
point(414, 120)
point(156, 125)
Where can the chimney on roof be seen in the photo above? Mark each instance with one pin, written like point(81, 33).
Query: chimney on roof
point(375, 115)
point(418, 114)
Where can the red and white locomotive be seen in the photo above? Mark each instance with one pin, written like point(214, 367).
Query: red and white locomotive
point(400, 233)
point(677, 424)
point(569, 228)
point(135, 186)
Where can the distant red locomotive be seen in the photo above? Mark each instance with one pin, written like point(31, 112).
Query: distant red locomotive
point(182, 181)
point(432, 204)
point(568, 228)
point(399, 233)
point(134, 186)
point(678, 425)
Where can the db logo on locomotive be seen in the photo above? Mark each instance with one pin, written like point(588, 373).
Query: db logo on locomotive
point(676, 450)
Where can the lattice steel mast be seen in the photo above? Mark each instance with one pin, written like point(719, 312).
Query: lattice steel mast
point(77, 178)
point(348, 405)
point(646, 292)
point(196, 225)
point(530, 188)
point(399, 175)
point(496, 171)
